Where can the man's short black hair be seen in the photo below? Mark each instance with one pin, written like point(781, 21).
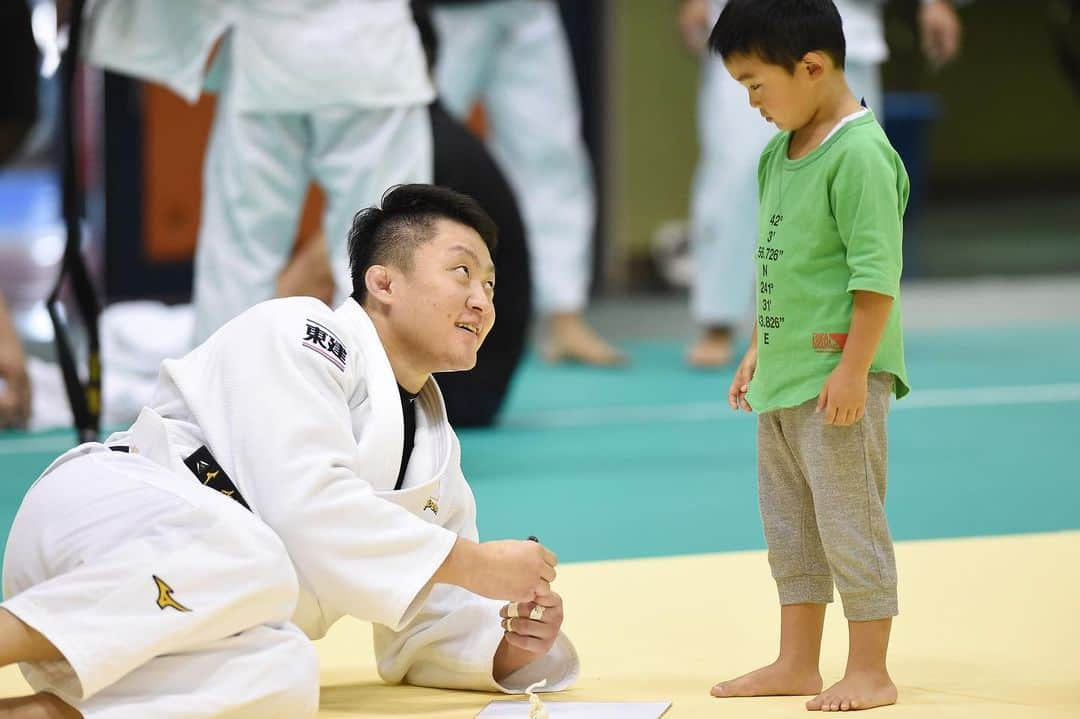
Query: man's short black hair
point(390, 235)
point(780, 32)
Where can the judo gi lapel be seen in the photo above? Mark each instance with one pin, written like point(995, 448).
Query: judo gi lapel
point(383, 434)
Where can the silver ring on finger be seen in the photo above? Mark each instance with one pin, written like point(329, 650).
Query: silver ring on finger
point(537, 613)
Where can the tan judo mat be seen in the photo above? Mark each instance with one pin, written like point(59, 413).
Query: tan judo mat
point(989, 628)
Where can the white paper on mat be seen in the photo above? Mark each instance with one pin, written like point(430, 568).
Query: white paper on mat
point(577, 710)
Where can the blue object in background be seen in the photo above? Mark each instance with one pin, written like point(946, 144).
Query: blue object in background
point(909, 120)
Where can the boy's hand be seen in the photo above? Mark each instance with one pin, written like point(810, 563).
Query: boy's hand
point(741, 382)
point(844, 396)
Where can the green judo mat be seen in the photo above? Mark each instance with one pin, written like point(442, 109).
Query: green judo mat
point(649, 461)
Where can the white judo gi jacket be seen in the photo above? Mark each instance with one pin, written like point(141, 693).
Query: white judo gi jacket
point(299, 406)
point(283, 55)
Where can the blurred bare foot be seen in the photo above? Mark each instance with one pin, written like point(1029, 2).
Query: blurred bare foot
point(570, 339)
point(712, 350)
point(776, 679)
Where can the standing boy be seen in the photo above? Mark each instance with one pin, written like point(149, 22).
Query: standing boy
point(827, 348)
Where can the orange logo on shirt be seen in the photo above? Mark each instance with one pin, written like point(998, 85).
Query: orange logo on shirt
point(829, 341)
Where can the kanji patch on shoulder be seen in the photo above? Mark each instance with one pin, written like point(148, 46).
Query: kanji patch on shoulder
point(318, 338)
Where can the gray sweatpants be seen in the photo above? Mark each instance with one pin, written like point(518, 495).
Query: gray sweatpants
point(822, 494)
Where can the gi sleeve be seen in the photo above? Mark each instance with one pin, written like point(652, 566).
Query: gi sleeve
point(281, 421)
point(451, 642)
point(868, 196)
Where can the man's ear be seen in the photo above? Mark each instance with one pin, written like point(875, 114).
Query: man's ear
point(379, 282)
point(814, 63)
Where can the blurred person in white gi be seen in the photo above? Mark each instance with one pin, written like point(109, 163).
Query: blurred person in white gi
point(512, 56)
point(18, 87)
point(723, 204)
point(294, 468)
point(333, 91)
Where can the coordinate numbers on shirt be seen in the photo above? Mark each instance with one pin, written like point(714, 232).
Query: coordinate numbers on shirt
point(769, 317)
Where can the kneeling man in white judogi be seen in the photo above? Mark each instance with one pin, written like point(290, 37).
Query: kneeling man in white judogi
point(294, 468)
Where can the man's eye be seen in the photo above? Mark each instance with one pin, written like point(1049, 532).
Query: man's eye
point(756, 87)
point(463, 268)
point(490, 284)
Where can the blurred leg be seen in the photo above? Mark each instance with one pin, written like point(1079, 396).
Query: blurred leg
point(467, 37)
point(864, 79)
point(536, 123)
point(254, 181)
point(356, 156)
point(724, 211)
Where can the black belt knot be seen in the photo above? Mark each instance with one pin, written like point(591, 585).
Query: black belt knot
point(207, 470)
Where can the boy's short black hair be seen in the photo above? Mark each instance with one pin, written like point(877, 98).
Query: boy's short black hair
point(390, 235)
point(780, 32)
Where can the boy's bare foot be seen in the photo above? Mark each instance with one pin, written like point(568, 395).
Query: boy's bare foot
point(571, 339)
point(864, 689)
point(773, 680)
point(712, 350)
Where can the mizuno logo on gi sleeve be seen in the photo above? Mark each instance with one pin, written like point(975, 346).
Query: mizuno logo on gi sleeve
point(318, 338)
point(165, 596)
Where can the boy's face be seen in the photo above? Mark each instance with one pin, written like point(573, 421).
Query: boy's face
point(788, 100)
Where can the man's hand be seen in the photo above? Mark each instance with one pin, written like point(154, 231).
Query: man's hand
point(740, 384)
point(694, 19)
point(530, 630)
point(940, 32)
point(843, 398)
point(509, 569)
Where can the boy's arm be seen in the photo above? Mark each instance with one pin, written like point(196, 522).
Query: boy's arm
point(844, 395)
point(868, 202)
point(869, 316)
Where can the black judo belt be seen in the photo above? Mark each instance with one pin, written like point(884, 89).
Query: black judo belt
point(85, 398)
point(207, 470)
